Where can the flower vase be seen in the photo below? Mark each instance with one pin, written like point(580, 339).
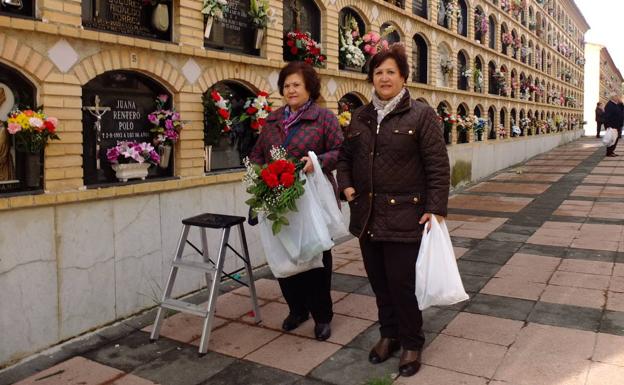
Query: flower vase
point(479, 136)
point(165, 154)
point(160, 17)
point(32, 169)
point(126, 171)
point(208, 29)
point(258, 37)
point(352, 68)
point(207, 158)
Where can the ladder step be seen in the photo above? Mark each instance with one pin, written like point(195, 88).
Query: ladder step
point(198, 266)
point(184, 307)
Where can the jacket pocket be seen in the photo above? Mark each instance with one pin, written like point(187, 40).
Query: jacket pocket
point(402, 211)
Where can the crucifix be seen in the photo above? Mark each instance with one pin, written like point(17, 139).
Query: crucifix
point(296, 12)
point(97, 111)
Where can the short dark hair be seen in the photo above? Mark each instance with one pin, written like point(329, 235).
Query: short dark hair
point(310, 78)
point(395, 51)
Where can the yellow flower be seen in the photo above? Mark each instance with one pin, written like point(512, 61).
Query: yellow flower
point(344, 119)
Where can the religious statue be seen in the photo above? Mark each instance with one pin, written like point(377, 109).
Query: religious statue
point(296, 13)
point(97, 111)
point(6, 159)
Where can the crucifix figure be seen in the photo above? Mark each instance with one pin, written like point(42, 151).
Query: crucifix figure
point(97, 111)
point(296, 12)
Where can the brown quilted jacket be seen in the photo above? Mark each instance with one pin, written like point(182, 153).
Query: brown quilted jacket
point(398, 174)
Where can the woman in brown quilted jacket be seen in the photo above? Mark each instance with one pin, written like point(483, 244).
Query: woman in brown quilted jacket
point(393, 169)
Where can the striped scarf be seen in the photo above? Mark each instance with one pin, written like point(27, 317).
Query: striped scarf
point(292, 118)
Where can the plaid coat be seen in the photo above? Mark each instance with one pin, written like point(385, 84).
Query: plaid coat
point(318, 131)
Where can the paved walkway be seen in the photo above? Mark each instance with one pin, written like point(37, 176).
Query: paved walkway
point(541, 252)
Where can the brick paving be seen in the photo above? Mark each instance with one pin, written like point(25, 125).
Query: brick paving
point(540, 247)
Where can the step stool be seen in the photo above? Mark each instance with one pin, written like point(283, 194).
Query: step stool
point(213, 271)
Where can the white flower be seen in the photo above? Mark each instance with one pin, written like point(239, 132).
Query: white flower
point(35, 122)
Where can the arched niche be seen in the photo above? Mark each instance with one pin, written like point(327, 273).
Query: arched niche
point(444, 55)
point(462, 74)
point(302, 16)
point(16, 91)
point(350, 102)
point(492, 82)
point(478, 75)
point(392, 37)
point(502, 117)
point(444, 110)
point(228, 149)
point(491, 120)
point(350, 22)
point(462, 18)
point(130, 96)
point(478, 111)
point(492, 32)
point(420, 59)
point(462, 111)
point(420, 8)
point(513, 121)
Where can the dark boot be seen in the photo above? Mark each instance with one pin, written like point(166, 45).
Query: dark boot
point(383, 349)
point(322, 331)
point(293, 321)
point(409, 364)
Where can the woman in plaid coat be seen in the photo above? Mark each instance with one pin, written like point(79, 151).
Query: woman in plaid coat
point(301, 126)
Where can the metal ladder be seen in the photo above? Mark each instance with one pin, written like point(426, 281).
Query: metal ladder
point(212, 270)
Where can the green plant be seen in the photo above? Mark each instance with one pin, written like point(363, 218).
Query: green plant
point(259, 13)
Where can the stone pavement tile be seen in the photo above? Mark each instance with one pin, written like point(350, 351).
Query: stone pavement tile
point(473, 283)
point(484, 328)
point(612, 322)
point(353, 268)
point(305, 381)
point(574, 208)
point(465, 356)
point(351, 367)
point(574, 296)
point(587, 191)
point(249, 373)
point(464, 242)
point(347, 283)
point(430, 375)
point(459, 251)
point(498, 257)
point(184, 327)
point(335, 295)
point(132, 351)
point(502, 307)
point(357, 305)
point(551, 240)
point(131, 379)
point(544, 250)
point(367, 339)
point(344, 329)
point(534, 261)
point(616, 284)
point(527, 177)
point(232, 306)
point(536, 274)
point(611, 210)
point(552, 162)
point(272, 313)
point(587, 281)
point(596, 179)
point(511, 188)
point(507, 237)
point(587, 267)
point(338, 262)
point(488, 203)
point(182, 367)
point(77, 370)
point(590, 255)
point(575, 317)
point(612, 192)
point(595, 244)
point(618, 270)
point(548, 169)
point(512, 287)
point(365, 290)
point(481, 269)
point(266, 289)
point(615, 301)
point(604, 374)
point(239, 339)
point(293, 354)
point(609, 349)
point(435, 319)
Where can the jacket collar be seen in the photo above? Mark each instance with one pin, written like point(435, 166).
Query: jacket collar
point(369, 110)
point(311, 114)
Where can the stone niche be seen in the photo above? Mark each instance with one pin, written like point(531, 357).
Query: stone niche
point(24, 8)
point(234, 33)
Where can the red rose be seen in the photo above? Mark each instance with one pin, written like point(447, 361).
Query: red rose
point(255, 125)
point(263, 93)
point(294, 50)
point(289, 168)
point(287, 179)
point(290, 43)
point(251, 110)
point(269, 178)
point(225, 114)
point(49, 126)
point(308, 60)
point(261, 121)
point(278, 166)
point(268, 108)
point(321, 58)
point(215, 96)
point(227, 129)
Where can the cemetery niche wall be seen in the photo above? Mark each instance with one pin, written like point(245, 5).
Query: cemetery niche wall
point(235, 32)
point(20, 8)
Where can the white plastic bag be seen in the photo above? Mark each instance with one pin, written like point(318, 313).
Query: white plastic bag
point(277, 256)
point(324, 191)
point(610, 137)
point(437, 278)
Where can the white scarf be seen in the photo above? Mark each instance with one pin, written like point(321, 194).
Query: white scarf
point(384, 107)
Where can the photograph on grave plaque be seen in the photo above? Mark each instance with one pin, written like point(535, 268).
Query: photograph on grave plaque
point(116, 106)
point(143, 18)
point(24, 8)
point(16, 92)
point(235, 32)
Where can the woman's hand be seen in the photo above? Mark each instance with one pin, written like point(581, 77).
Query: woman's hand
point(349, 193)
point(308, 167)
point(426, 219)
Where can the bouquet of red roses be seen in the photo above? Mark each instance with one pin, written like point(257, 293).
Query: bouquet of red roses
point(275, 187)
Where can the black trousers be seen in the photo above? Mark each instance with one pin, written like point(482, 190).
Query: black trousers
point(598, 124)
point(309, 292)
point(611, 149)
point(391, 269)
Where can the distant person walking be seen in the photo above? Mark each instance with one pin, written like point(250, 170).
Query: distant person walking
point(599, 120)
point(613, 117)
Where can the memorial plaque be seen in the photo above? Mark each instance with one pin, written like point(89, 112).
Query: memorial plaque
point(235, 32)
point(129, 17)
point(23, 8)
point(124, 100)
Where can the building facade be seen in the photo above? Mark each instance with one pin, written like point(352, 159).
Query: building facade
point(504, 76)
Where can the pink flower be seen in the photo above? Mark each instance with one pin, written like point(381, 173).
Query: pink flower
point(176, 116)
point(152, 118)
point(52, 120)
point(163, 98)
point(112, 154)
point(366, 38)
point(384, 44)
point(169, 124)
point(373, 51)
point(13, 128)
point(375, 38)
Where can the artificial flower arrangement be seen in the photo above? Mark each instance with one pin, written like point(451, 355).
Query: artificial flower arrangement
point(466, 72)
point(374, 42)
point(166, 123)
point(216, 116)
point(452, 9)
point(481, 23)
point(478, 125)
point(301, 47)
point(132, 152)
point(517, 6)
point(446, 65)
point(256, 109)
point(350, 53)
point(477, 78)
point(215, 8)
point(502, 133)
point(505, 5)
point(525, 124)
point(507, 38)
point(259, 13)
point(344, 119)
point(275, 187)
point(32, 129)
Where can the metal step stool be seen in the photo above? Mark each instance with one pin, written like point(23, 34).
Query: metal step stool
point(213, 271)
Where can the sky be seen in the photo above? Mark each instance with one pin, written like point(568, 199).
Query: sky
point(605, 19)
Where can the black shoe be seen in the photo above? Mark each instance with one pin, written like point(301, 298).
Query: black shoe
point(322, 331)
point(409, 364)
point(383, 349)
point(293, 321)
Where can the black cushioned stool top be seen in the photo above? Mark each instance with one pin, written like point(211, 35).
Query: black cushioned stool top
point(214, 221)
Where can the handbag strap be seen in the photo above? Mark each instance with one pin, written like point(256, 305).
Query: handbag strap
point(291, 133)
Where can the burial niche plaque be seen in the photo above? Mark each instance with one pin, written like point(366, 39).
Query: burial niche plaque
point(235, 32)
point(150, 19)
point(115, 108)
